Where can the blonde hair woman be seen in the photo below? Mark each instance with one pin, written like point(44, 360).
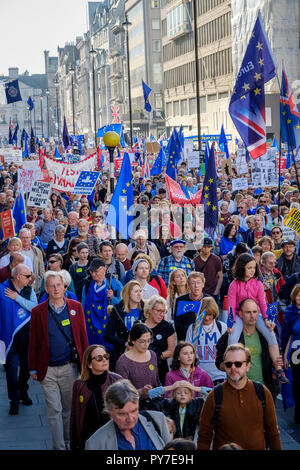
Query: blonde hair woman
point(15, 246)
point(163, 332)
point(122, 316)
point(178, 285)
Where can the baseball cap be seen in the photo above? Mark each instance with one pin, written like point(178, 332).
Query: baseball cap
point(207, 242)
point(179, 240)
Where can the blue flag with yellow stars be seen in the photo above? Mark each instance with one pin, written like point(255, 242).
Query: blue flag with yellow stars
point(198, 327)
point(223, 142)
point(272, 312)
point(247, 105)
point(174, 156)
point(187, 306)
point(19, 213)
point(157, 167)
point(230, 319)
point(146, 90)
point(209, 196)
point(289, 115)
point(86, 182)
point(120, 211)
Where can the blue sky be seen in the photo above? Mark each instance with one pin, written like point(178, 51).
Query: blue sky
point(28, 27)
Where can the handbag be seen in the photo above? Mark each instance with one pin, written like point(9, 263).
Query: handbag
point(74, 356)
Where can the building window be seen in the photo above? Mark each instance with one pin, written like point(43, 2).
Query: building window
point(155, 3)
point(169, 108)
point(156, 45)
point(176, 111)
point(193, 106)
point(157, 73)
point(216, 121)
point(184, 107)
point(155, 24)
point(222, 95)
point(224, 119)
point(202, 104)
point(212, 97)
point(159, 102)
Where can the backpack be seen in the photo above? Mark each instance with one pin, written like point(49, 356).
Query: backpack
point(218, 396)
point(156, 277)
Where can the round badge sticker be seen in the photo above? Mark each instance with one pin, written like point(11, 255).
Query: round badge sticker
point(73, 312)
point(21, 313)
point(158, 337)
point(151, 366)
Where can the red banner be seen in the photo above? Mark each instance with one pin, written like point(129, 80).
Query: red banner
point(177, 195)
point(7, 224)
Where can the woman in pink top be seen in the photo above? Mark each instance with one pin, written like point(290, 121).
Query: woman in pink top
point(184, 367)
point(247, 285)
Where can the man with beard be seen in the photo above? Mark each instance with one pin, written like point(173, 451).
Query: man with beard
point(240, 411)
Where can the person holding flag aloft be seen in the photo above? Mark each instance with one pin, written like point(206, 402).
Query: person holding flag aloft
point(204, 334)
point(247, 284)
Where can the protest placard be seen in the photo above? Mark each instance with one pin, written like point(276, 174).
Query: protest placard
point(11, 155)
point(26, 177)
point(264, 170)
point(292, 220)
point(39, 194)
point(193, 159)
point(86, 182)
point(239, 183)
point(241, 163)
point(7, 224)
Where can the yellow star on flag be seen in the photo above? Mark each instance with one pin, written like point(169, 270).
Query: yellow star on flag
point(257, 76)
point(213, 208)
point(243, 97)
point(211, 180)
point(257, 91)
point(259, 46)
point(246, 86)
point(261, 62)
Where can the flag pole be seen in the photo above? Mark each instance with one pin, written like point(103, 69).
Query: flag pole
point(289, 137)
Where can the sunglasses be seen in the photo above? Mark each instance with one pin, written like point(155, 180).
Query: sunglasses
point(276, 233)
point(27, 275)
point(51, 261)
point(100, 358)
point(237, 364)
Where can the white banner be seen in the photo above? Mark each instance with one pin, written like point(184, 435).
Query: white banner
point(26, 177)
point(264, 170)
point(11, 155)
point(239, 183)
point(39, 195)
point(63, 176)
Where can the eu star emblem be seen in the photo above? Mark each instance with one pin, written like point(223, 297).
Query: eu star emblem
point(86, 182)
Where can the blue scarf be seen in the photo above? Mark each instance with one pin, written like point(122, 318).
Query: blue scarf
point(96, 316)
point(12, 318)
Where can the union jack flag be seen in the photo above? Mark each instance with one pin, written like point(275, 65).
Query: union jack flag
point(147, 173)
point(289, 114)
point(247, 104)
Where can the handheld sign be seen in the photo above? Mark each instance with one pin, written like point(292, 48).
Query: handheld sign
point(187, 307)
point(86, 182)
point(272, 312)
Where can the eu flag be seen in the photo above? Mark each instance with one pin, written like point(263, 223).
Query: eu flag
point(32, 143)
point(25, 153)
point(15, 135)
point(120, 211)
point(187, 306)
point(272, 312)
point(209, 195)
point(66, 138)
point(247, 104)
point(12, 91)
point(19, 213)
point(157, 167)
point(173, 158)
point(206, 154)
point(223, 142)
point(181, 137)
point(230, 319)
point(147, 90)
point(30, 103)
point(289, 115)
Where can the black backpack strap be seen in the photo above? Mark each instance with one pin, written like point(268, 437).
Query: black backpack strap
point(260, 392)
point(218, 396)
point(150, 418)
point(219, 326)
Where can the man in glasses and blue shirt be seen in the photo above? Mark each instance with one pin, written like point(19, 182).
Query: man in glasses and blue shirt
point(249, 405)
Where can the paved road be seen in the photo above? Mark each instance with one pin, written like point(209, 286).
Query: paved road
point(29, 430)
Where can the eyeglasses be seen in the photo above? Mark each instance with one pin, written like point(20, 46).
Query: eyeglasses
point(158, 311)
point(100, 358)
point(236, 364)
point(144, 341)
point(26, 275)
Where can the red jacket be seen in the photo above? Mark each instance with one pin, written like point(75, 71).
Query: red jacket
point(38, 355)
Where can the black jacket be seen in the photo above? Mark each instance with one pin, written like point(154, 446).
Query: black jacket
point(170, 408)
point(116, 332)
point(266, 359)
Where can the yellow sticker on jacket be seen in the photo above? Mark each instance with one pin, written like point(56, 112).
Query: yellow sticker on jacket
point(65, 322)
point(79, 270)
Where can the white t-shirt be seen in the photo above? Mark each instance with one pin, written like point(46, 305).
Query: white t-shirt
point(148, 291)
point(206, 349)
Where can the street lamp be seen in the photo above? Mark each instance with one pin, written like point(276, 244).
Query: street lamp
point(93, 53)
point(48, 126)
point(56, 81)
point(41, 99)
point(111, 141)
point(72, 72)
point(126, 25)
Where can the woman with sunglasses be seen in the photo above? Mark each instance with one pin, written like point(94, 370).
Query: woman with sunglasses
point(139, 364)
point(276, 234)
point(78, 270)
point(71, 256)
point(87, 412)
